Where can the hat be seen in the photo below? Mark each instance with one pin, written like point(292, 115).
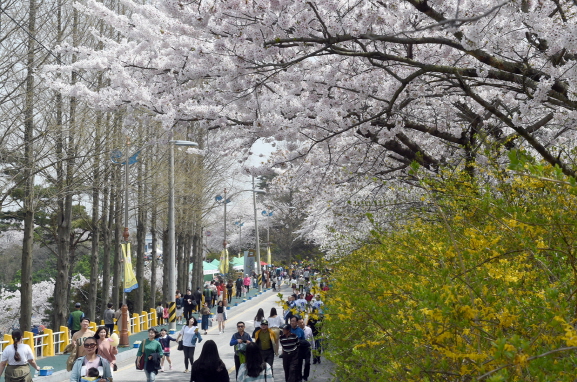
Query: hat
point(287, 327)
point(264, 322)
point(77, 305)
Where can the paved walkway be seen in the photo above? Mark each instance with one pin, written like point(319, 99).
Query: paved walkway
point(126, 355)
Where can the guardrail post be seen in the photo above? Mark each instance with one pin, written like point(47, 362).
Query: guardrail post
point(48, 343)
point(154, 318)
point(28, 339)
point(93, 326)
point(144, 316)
point(136, 322)
point(8, 337)
point(64, 338)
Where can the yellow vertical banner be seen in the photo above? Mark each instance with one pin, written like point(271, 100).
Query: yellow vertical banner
point(223, 268)
point(130, 282)
point(268, 256)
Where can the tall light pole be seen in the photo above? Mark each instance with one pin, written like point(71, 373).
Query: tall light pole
point(171, 246)
point(259, 268)
point(239, 224)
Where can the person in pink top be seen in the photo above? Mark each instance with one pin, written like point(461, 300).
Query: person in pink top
point(246, 282)
point(106, 348)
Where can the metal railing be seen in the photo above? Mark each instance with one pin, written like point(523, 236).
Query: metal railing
point(57, 341)
point(39, 344)
point(3, 344)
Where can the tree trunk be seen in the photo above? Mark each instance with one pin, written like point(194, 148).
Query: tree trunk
point(153, 234)
point(165, 251)
point(28, 173)
point(107, 213)
point(140, 241)
point(117, 250)
point(180, 262)
point(94, 255)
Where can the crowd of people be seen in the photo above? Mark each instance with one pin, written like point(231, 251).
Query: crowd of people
point(293, 336)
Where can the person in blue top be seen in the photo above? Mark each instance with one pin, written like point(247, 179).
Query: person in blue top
point(295, 329)
point(239, 340)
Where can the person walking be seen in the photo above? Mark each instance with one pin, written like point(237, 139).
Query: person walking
point(75, 318)
point(207, 292)
point(257, 319)
point(164, 340)
point(80, 336)
point(152, 352)
point(239, 340)
point(290, 344)
point(190, 336)
point(109, 318)
point(229, 286)
point(220, 317)
point(275, 322)
point(305, 351)
point(198, 297)
point(265, 339)
point(106, 348)
point(90, 360)
point(160, 313)
point(178, 300)
point(15, 360)
point(246, 283)
point(238, 285)
point(165, 313)
point(209, 367)
point(254, 369)
point(188, 304)
point(205, 316)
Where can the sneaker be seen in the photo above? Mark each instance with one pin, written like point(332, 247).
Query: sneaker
point(186, 371)
point(170, 367)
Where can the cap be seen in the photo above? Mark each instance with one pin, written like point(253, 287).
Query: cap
point(287, 327)
point(77, 305)
point(264, 322)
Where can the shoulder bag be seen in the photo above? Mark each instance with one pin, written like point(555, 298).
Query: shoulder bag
point(139, 363)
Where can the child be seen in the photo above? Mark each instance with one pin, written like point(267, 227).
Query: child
point(164, 340)
point(91, 375)
point(165, 314)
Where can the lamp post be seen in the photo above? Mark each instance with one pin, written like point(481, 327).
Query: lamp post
point(239, 224)
point(171, 247)
point(259, 268)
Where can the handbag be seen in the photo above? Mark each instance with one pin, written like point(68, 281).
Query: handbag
point(180, 346)
point(139, 363)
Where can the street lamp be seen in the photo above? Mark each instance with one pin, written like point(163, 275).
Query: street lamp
point(239, 224)
point(259, 267)
point(171, 246)
point(268, 214)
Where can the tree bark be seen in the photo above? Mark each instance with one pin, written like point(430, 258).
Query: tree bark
point(28, 173)
point(140, 241)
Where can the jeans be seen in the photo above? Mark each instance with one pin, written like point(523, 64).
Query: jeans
point(150, 375)
point(188, 355)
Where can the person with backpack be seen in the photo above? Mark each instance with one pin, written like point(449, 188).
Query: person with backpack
point(207, 295)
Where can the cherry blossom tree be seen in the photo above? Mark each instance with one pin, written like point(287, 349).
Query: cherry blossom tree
point(352, 93)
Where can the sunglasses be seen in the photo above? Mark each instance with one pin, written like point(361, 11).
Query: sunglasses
point(240, 326)
point(92, 345)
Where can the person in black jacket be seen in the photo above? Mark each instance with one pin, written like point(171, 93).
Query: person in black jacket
point(198, 298)
point(238, 284)
point(209, 367)
point(188, 304)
